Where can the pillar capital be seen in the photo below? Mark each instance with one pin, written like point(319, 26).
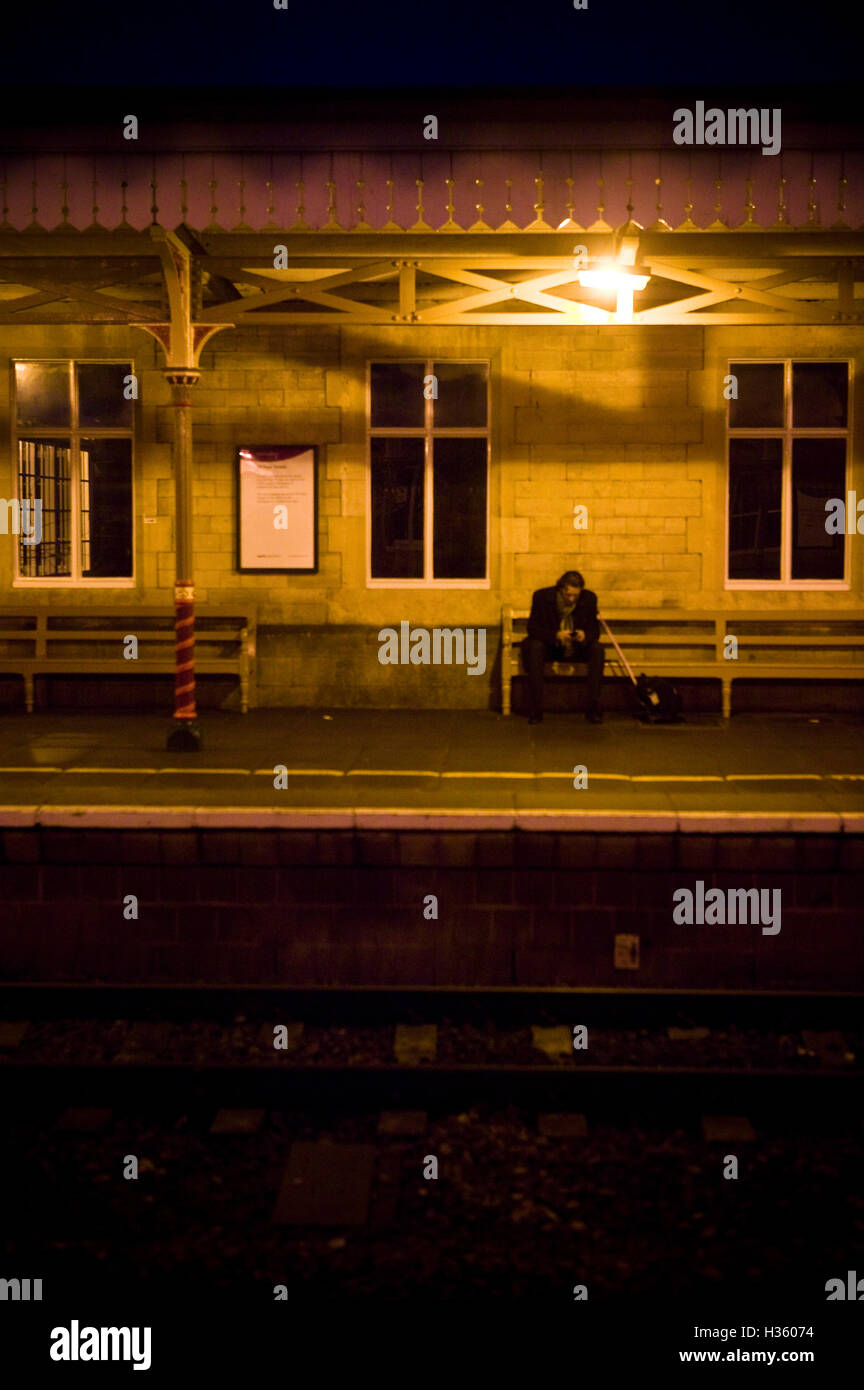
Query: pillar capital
point(181, 380)
point(181, 376)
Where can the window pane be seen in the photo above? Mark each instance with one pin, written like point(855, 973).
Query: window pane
point(106, 508)
point(397, 395)
point(459, 492)
point(760, 396)
point(397, 508)
point(461, 402)
point(42, 394)
point(818, 474)
point(755, 482)
point(819, 395)
point(44, 474)
point(100, 396)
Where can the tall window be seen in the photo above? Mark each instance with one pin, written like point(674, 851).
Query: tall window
point(74, 439)
point(788, 434)
point(429, 452)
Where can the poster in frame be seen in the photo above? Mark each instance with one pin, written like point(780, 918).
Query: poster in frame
point(277, 509)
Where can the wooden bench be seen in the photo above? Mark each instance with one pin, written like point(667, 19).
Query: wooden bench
point(678, 643)
point(90, 641)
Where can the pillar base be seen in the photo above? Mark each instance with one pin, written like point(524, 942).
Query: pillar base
point(185, 737)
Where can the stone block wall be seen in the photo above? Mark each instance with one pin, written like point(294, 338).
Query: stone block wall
point(625, 421)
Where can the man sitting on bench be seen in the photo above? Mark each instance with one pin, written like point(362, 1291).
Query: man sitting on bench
point(563, 626)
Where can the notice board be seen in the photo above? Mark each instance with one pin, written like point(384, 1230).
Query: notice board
point(277, 509)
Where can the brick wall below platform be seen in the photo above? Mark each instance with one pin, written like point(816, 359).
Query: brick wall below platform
point(346, 908)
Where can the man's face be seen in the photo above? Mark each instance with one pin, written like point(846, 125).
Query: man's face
point(570, 594)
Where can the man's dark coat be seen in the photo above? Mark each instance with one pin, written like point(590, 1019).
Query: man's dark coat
point(545, 619)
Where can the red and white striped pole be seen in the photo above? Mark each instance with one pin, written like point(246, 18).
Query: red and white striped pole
point(185, 736)
point(184, 651)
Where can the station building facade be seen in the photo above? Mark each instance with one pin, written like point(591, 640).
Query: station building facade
point(481, 420)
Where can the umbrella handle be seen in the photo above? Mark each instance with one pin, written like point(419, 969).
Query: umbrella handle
point(621, 657)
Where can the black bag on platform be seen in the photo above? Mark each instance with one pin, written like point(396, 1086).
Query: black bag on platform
point(657, 700)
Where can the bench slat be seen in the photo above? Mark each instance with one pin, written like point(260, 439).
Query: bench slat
point(143, 634)
point(38, 666)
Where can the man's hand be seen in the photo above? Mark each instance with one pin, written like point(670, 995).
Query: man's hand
point(578, 635)
point(564, 636)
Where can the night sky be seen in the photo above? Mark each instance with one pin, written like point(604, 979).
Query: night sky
point(428, 42)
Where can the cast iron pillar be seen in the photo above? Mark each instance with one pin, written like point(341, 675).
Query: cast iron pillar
point(182, 341)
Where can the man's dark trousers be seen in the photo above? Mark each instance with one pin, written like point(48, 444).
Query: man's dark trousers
point(535, 653)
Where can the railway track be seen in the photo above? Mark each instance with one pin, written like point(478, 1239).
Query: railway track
point(308, 1170)
point(675, 1053)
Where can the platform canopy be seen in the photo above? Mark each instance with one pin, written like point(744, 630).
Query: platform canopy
point(473, 237)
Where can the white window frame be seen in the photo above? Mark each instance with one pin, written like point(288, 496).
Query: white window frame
point(76, 580)
point(786, 433)
point(427, 434)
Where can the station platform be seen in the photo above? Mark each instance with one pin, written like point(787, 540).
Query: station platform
point(420, 768)
point(418, 848)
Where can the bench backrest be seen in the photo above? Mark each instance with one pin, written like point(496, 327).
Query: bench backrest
point(44, 626)
point(692, 629)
